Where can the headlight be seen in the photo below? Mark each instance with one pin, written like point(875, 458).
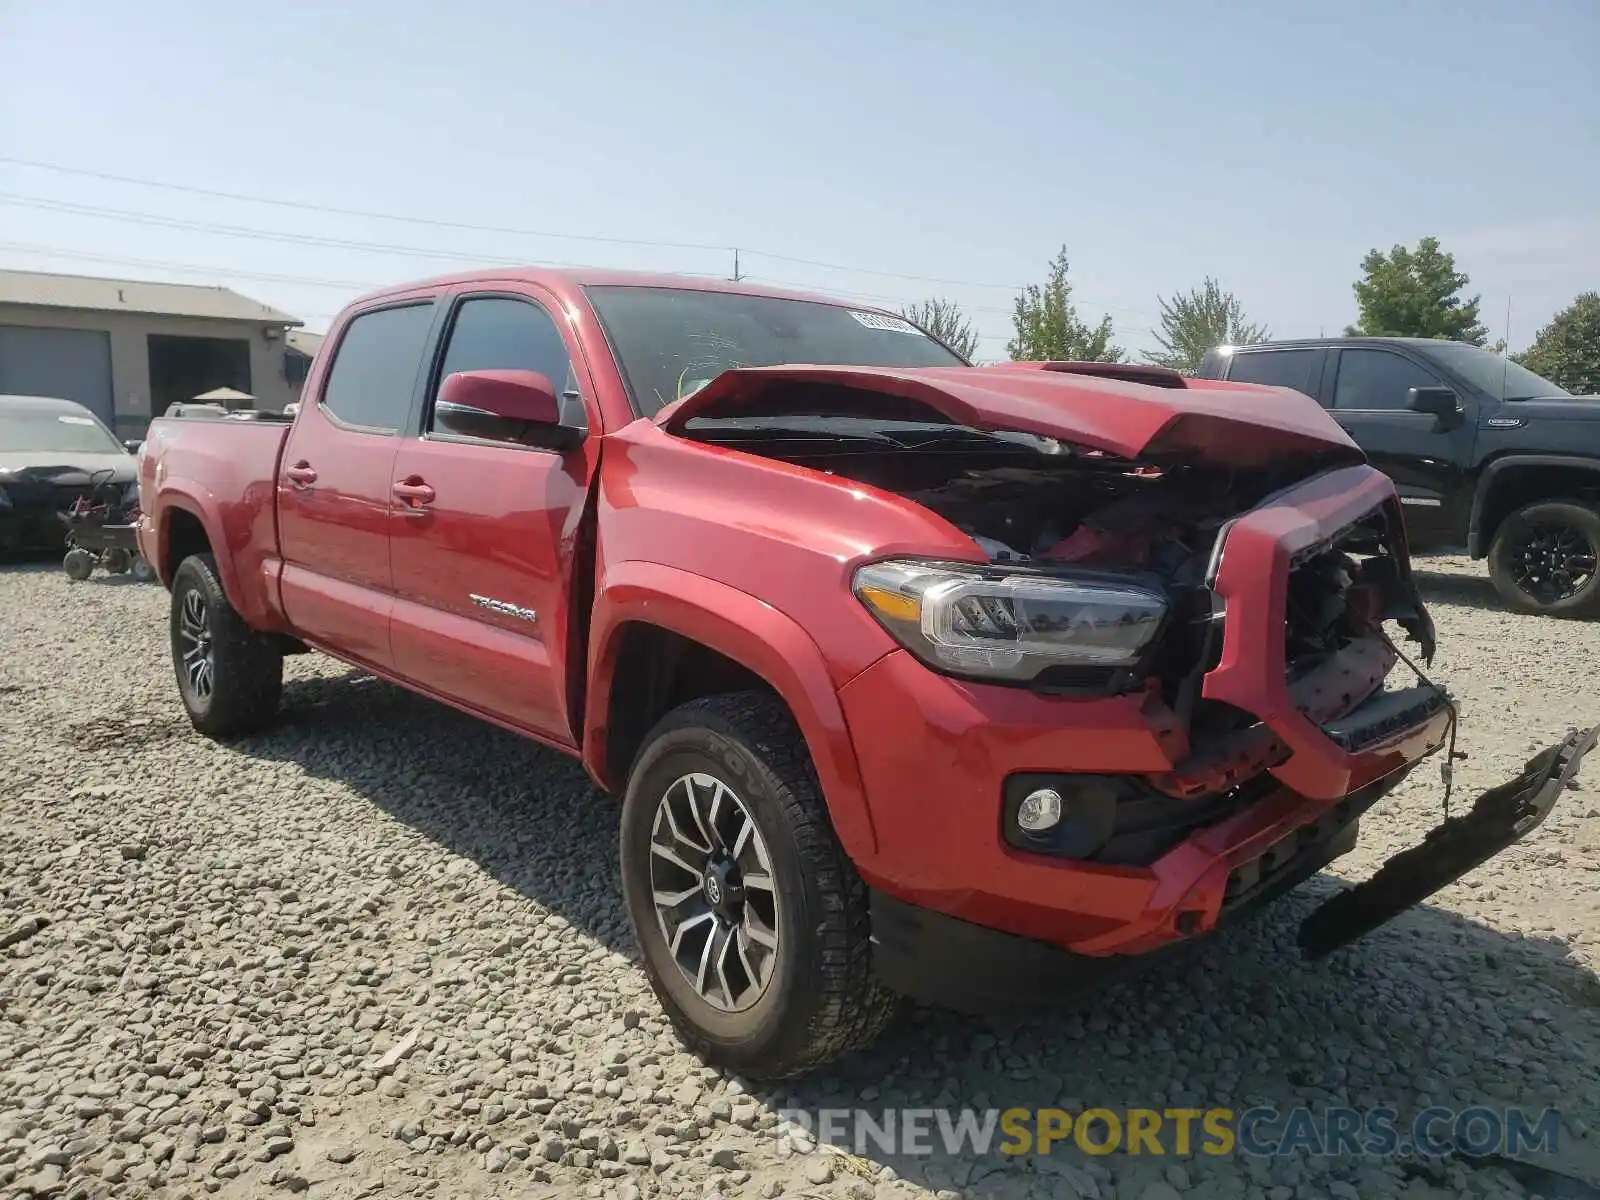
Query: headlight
point(970, 621)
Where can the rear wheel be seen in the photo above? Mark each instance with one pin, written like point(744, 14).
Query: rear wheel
point(116, 562)
point(751, 920)
point(229, 676)
point(1546, 559)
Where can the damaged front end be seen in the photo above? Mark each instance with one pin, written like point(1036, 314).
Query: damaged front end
point(1500, 817)
point(1234, 571)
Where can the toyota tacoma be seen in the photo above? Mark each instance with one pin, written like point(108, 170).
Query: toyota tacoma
point(976, 684)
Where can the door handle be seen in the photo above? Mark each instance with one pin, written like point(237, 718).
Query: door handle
point(415, 494)
point(301, 475)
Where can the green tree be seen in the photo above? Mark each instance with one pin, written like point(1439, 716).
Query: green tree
point(945, 320)
point(1567, 351)
point(1047, 326)
point(1413, 293)
point(1196, 321)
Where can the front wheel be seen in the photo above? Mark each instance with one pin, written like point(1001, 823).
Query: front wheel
point(229, 676)
point(750, 918)
point(1544, 559)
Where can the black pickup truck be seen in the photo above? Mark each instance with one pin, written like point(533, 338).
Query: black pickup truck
point(1487, 456)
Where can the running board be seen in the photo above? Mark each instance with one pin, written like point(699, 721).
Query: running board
point(1500, 817)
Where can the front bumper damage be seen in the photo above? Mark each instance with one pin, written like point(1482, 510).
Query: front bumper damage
point(1499, 818)
point(965, 917)
point(975, 968)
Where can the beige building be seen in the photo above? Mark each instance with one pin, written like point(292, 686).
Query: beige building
point(126, 349)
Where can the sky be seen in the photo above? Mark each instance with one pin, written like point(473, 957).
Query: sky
point(883, 151)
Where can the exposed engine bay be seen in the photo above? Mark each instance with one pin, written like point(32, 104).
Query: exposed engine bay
point(1025, 499)
point(1093, 511)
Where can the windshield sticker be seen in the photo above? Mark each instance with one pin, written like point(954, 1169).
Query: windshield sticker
point(76, 421)
point(886, 324)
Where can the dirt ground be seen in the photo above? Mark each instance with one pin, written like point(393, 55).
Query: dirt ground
point(380, 951)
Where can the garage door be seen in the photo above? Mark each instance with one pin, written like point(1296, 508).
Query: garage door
point(70, 364)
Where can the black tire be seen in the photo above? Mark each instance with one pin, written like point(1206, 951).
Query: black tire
point(116, 562)
point(821, 1000)
point(245, 667)
point(142, 571)
point(78, 564)
point(1572, 524)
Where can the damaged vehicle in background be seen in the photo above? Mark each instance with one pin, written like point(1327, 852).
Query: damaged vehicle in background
point(53, 454)
point(974, 684)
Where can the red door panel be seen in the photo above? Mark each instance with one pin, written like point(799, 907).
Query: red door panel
point(333, 528)
point(482, 575)
point(485, 532)
point(336, 481)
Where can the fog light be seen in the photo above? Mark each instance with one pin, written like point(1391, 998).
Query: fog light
point(1040, 811)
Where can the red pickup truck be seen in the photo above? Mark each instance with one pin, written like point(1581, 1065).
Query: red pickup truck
point(972, 683)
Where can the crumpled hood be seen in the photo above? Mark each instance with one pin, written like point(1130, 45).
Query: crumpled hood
point(64, 467)
point(1237, 424)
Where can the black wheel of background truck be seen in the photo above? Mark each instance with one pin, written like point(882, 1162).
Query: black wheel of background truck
point(1546, 559)
point(142, 571)
point(230, 676)
point(750, 918)
point(78, 564)
point(116, 562)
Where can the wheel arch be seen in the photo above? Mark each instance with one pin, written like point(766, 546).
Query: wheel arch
point(1516, 480)
point(181, 533)
point(652, 622)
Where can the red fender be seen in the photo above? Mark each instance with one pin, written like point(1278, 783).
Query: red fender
point(758, 637)
point(238, 533)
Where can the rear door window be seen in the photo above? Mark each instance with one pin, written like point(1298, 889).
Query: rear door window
point(1297, 369)
point(375, 368)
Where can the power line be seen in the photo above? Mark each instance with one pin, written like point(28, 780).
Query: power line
point(298, 239)
point(185, 268)
point(155, 220)
point(438, 223)
point(303, 206)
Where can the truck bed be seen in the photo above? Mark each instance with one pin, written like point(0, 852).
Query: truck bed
point(224, 468)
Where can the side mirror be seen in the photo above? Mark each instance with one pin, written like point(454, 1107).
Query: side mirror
point(131, 445)
point(503, 406)
point(1441, 402)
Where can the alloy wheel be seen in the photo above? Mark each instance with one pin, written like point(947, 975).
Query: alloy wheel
point(1552, 561)
point(714, 893)
point(194, 628)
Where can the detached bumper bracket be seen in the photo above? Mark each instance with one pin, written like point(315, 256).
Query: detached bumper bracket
point(1500, 816)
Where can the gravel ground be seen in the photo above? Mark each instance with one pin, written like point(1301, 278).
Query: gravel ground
point(381, 952)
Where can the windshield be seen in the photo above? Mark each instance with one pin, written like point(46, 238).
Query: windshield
point(1493, 373)
point(671, 342)
point(44, 430)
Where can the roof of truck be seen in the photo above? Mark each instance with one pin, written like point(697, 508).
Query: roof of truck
point(1351, 340)
point(566, 278)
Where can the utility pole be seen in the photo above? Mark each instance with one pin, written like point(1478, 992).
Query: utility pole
point(736, 276)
